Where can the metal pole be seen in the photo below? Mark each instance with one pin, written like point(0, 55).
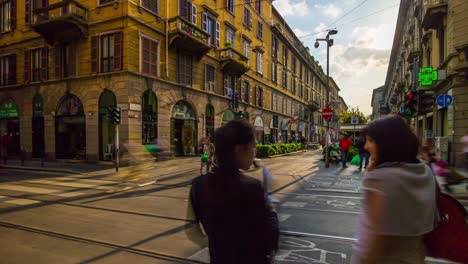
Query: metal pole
point(327, 162)
point(117, 147)
point(354, 135)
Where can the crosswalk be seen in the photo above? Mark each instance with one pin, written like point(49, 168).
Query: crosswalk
point(35, 191)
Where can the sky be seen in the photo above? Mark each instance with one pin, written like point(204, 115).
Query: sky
point(361, 51)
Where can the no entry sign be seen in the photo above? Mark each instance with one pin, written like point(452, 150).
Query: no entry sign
point(327, 113)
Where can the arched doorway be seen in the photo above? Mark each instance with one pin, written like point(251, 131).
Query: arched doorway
point(149, 104)
point(38, 127)
point(183, 129)
point(228, 115)
point(70, 129)
point(209, 121)
point(9, 129)
point(106, 127)
point(259, 129)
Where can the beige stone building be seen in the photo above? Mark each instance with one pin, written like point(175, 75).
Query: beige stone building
point(174, 67)
point(432, 33)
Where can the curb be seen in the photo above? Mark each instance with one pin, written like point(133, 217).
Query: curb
point(287, 154)
point(39, 169)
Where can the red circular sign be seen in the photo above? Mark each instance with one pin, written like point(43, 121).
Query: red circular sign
point(327, 113)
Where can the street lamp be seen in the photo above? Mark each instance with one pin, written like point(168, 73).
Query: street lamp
point(329, 42)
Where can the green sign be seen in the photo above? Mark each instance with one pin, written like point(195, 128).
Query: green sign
point(427, 76)
point(8, 109)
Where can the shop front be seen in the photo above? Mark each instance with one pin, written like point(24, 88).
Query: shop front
point(274, 129)
point(183, 130)
point(293, 128)
point(38, 144)
point(149, 108)
point(259, 130)
point(228, 115)
point(284, 131)
point(209, 121)
point(9, 129)
point(70, 129)
point(106, 126)
point(300, 130)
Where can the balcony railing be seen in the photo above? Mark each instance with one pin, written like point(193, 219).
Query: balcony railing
point(314, 105)
point(188, 36)
point(433, 12)
point(61, 21)
point(234, 61)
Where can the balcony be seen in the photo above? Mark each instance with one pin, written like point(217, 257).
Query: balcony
point(64, 21)
point(314, 106)
point(187, 36)
point(433, 13)
point(233, 62)
point(414, 51)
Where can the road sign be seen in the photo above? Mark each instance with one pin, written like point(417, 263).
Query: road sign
point(355, 120)
point(327, 113)
point(444, 100)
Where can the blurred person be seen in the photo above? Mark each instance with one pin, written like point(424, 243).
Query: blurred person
point(345, 145)
point(399, 197)
point(363, 153)
point(232, 208)
point(438, 166)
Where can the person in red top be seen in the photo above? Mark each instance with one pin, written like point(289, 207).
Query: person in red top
point(345, 144)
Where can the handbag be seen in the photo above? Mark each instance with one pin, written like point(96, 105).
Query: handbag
point(449, 238)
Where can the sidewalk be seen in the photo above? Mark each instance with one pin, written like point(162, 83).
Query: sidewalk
point(59, 167)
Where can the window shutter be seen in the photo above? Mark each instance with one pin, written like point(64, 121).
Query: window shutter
point(27, 15)
point(250, 20)
point(194, 14)
point(94, 54)
point(242, 94)
point(13, 15)
point(204, 21)
point(218, 29)
point(12, 69)
point(44, 63)
point(27, 66)
point(118, 45)
point(58, 62)
point(225, 85)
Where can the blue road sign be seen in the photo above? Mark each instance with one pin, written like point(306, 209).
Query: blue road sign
point(444, 100)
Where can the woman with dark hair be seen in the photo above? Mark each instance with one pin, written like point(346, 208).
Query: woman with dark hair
point(399, 197)
point(231, 207)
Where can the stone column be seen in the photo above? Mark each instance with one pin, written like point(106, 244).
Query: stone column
point(49, 137)
point(25, 122)
point(92, 136)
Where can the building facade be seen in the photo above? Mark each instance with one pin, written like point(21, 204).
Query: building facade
point(177, 69)
point(432, 33)
point(377, 101)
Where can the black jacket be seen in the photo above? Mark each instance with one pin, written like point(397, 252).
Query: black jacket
point(360, 146)
point(241, 226)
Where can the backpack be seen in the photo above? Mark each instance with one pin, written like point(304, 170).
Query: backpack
point(449, 238)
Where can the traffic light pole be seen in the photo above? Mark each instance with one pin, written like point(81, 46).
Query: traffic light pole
point(327, 161)
point(117, 147)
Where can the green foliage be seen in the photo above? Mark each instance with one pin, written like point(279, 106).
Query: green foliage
point(264, 151)
point(346, 116)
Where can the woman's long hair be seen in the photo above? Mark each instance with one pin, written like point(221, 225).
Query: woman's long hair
point(395, 140)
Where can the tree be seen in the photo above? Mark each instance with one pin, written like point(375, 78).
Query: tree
point(346, 116)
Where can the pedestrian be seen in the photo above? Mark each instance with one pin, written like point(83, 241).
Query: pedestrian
point(464, 141)
point(345, 145)
point(231, 207)
point(438, 166)
point(363, 153)
point(399, 204)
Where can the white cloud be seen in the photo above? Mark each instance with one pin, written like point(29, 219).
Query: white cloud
point(321, 27)
point(329, 10)
point(291, 7)
point(366, 36)
point(299, 32)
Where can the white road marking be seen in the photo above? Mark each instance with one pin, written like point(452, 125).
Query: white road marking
point(21, 202)
point(294, 204)
point(36, 190)
point(73, 184)
point(283, 217)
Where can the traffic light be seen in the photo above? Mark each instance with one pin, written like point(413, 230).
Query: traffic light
point(410, 104)
point(426, 102)
point(114, 114)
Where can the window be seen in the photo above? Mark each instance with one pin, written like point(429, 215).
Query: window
point(36, 65)
point(149, 56)
point(258, 6)
point(259, 30)
point(293, 85)
point(293, 64)
point(247, 18)
point(106, 52)
point(210, 77)
point(184, 69)
point(300, 72)
point(187, 10)
point(260, 62)
point(229, 85)
point(274, 102)
point(230, 36)
point(259, 97)
point(7, 16)
point(230, 4)
point(65, 58)
point(8, 70)
point(285, 57)
point(245, 92)
point(151, 5)
point(301, 91)
point(441, 37)
point(274, 73)
point(101, 2)
point(274, 47)
point(285, 79)
point(212, 27)
point(246, 49)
